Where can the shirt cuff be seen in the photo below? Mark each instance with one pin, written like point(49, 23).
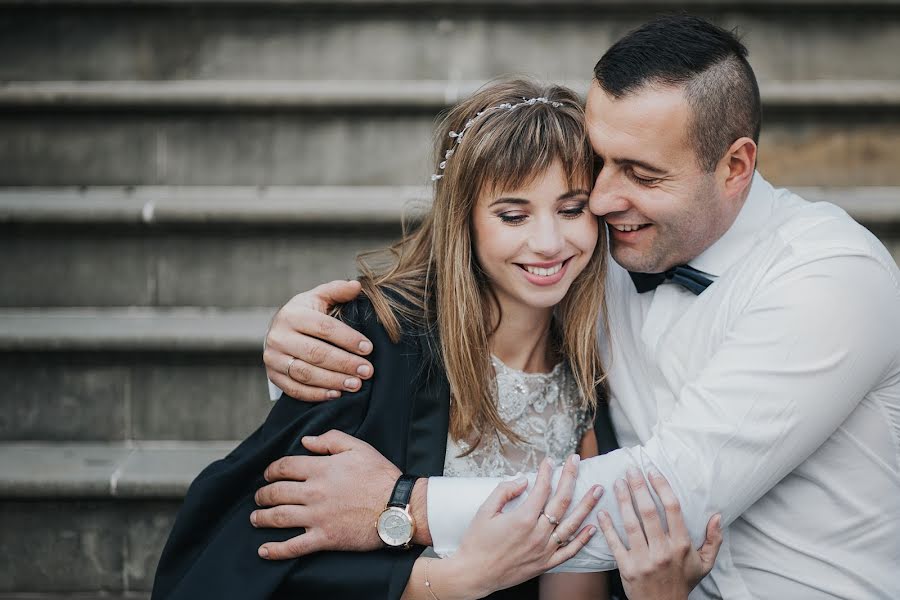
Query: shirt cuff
point(274, 391)
point(452, 503)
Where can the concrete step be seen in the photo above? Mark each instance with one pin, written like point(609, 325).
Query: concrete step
point(139, 374)
point(85, 521)
point(231, 247)
point(836, 145)
point(416, 39)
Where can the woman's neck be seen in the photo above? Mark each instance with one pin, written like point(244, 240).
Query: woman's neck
point(522, 340)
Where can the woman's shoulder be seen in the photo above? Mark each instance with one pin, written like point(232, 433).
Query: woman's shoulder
point(361, 314)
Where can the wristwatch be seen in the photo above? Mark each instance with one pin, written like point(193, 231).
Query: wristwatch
point(395, 525)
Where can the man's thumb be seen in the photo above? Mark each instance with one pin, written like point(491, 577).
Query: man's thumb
point(332, 442)
point(337, 292)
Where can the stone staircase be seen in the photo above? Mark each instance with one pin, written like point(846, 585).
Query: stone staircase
point(172, 170)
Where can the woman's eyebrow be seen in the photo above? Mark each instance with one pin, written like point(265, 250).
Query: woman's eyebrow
point(574, 194)
point(504, 200)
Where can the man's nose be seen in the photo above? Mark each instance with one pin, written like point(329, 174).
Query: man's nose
point(606, 197)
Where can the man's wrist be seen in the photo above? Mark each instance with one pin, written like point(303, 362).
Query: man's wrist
point(418, 508)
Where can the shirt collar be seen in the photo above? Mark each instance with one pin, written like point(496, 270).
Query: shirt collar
point(740, 237)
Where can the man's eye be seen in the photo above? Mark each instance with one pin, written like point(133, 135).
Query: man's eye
point(642, 180)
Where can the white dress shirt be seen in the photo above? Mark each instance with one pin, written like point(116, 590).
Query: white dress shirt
point(773, 397)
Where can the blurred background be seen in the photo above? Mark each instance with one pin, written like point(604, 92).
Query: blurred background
point(173, 170)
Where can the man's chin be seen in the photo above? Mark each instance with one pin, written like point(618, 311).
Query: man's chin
point(631, 260)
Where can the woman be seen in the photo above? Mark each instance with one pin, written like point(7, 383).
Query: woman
point(476, 374)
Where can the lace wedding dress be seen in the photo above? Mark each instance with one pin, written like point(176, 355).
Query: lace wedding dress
point(544, 409)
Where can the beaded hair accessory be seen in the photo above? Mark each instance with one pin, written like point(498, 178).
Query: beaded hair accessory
point(458, 135)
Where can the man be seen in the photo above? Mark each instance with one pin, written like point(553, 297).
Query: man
point(753, 355)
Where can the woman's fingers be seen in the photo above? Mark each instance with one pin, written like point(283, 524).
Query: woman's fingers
point(674, 518)
point(556, 507)
point(710, 548)
point(646, 508)
point(540, 491)
point(633, 531)
point(612, 537)
point(501, 495)
point(571, 523)
point(567, 551)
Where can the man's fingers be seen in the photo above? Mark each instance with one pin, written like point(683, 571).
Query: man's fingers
point(334, 292)
point(333, 442)
point(562, 498)
point(300, 391)
point(292, 468)
point(280, 492)
point(299, 371)
point(674, 518)
point(633, 530)
point(646, 508)
point(306, 347)
point(710, 548)
point(502, 494)
point(329, 329)
point(301, 545)
point(280, 517)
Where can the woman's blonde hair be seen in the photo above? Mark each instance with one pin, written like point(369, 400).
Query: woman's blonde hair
point(431, 278)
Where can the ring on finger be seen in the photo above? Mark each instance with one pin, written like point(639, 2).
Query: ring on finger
point(559, 541)
point(553, 520)
point(290, 364)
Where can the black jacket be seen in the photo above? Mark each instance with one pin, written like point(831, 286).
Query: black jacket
point(403, 412)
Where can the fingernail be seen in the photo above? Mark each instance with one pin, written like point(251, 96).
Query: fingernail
point(333, 394)
point(598, 491)
point(575, 460)
point(632, 473)
point(263, 552)
point(620, 485)
point(365, 346)
point(592, 530)
point(308, 439)
point(266, 475)
point(363, 370)
point(520, 480)
point(654, 472)
point(253, 518)
point(351, 383)
point(718, 519)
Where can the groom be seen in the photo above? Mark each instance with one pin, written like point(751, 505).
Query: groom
point(753, 353)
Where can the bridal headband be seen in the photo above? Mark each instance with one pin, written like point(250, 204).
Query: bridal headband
point(458, 135)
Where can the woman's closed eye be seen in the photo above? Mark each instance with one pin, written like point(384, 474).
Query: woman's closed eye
point(512, 218)
point(573, 211)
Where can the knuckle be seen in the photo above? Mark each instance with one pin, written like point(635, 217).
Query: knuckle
point(316, 353)
point(325, 328)
point(302, 373)
point(632, 528)
point(672, 505)
point(648, 513)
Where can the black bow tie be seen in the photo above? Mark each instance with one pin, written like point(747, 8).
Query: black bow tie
point(692, 279)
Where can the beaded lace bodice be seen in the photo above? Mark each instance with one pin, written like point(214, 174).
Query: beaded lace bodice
point(542, 408)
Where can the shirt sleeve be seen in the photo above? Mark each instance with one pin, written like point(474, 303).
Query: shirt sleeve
point(813, 340)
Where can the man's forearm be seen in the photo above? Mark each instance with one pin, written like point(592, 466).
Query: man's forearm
point(418, 506)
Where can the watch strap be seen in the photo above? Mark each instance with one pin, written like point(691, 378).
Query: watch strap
point(402, 491)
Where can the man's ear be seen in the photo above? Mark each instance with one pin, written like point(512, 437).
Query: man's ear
point(737, 167)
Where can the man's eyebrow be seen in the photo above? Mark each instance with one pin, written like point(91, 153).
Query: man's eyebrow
point(637, 163)
point(523, 201)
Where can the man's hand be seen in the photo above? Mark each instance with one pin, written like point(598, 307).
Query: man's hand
point(324, 350)
point(659, 565)
point(336, 498)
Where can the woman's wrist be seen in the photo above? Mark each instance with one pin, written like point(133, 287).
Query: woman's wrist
point(451, 579)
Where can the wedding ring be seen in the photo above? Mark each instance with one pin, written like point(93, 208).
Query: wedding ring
point(553, 520)
point(290, 364)
point(557, 539)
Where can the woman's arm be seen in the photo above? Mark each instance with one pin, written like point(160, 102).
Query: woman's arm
point(576, 586)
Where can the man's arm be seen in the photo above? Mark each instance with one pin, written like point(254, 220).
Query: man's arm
point(813, 342)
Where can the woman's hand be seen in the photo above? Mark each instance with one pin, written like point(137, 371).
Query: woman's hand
point(500, 550)
point(312, 356)
point(659, 565)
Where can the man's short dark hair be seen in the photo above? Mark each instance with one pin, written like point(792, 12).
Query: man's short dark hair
point(706, 61)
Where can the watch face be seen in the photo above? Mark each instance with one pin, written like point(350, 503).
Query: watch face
point(395, 527)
